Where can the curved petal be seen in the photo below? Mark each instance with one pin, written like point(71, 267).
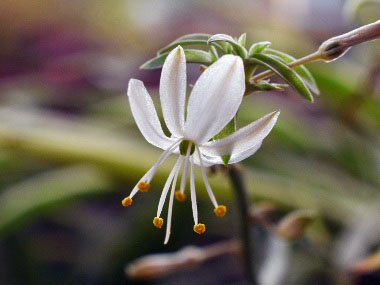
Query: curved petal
point(235, 158)
point(173, 91)
point(242, 140)
point(145, 115)
point(206, 161)
point(215, 98)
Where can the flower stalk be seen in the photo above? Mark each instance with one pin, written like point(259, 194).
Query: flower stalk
point(303, 60)
point(333, 48)
point(242, 201)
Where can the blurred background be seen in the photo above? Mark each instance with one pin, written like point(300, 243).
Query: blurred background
point(70, 150)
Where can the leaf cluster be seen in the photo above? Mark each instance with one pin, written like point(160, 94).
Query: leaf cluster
point(211, 47)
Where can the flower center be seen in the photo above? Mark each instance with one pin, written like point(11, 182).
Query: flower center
point(184, 145)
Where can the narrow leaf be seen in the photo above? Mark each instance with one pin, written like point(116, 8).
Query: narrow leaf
point(213, 53)
point(284, 71)
point(301, 69)
point(191, 39)
point(242, 39)
point(192, 56)
point(264, 86)
point(240, 50)
point(258, 47)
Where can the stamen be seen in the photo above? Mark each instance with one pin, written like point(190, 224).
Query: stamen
point(180, 196)
point(173, 173)
point(185, 169)
point(127, 201)
point(149, 175)
point(143, 186)
point(205, 181)
point(158, 222)
point(152, 171)
point(170, 209)
point(220, 211)
point(199, 228)
point(193, 194)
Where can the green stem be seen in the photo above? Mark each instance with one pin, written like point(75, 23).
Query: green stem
point(246, 234)
point(306, 59)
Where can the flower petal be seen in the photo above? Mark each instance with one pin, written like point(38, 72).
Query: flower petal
point(235, 158)
point(215, 98)
point(173, 91)
point(145, 115)
point(243, 140)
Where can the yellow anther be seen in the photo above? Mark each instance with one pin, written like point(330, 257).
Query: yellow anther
point(220, 211)
point(127, 201)
point(199, 228)
point(180, 196)
point(143, 186)
point(158, 222)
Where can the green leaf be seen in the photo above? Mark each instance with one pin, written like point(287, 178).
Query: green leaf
point(284, 71)
point(258, 47)
point(240, 50)
point(191, 39)
point(192, 56)
point(301, 69)
point(226, 131)
point(264, 86)
point(26, 199)
point(213, 53)
point(242, 39)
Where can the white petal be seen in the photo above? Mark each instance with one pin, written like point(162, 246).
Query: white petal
point(145, 115)
point(173, 91)
point(215, 98)
point(235, 158)
point(205, 161)
point(243, 140)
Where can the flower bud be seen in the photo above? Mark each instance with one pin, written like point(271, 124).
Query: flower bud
point(337, 46)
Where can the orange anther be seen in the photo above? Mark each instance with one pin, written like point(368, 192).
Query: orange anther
point(199, 228)
point(143, 186)
point(158, 222)
point(220, 211)
point(180, 196)
point(127, 201)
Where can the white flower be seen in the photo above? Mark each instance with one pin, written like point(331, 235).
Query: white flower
point(213, 102)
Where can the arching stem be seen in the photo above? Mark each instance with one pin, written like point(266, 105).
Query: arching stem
point(306, 59)
point(242, 200)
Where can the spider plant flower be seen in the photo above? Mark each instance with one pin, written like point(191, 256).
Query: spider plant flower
point(213, 102)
